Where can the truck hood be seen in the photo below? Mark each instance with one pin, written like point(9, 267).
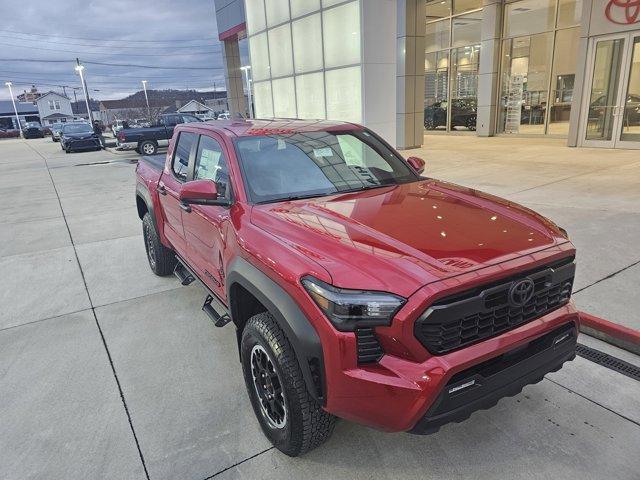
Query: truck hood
point(402, 237)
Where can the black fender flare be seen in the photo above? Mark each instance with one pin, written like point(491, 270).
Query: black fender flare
point(301, 334)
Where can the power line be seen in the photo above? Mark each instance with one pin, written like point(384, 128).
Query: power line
point(50, 76)
point(110, 40)
point(150, 66)
point(39, 60)
point(80, 52)
point(102, 45)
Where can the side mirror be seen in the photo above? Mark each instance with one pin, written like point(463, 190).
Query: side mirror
point(417, 164)
point(200, 192)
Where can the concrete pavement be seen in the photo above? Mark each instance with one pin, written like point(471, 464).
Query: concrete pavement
point(107, 371)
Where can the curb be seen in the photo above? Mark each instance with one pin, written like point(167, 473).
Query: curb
point(618, 335)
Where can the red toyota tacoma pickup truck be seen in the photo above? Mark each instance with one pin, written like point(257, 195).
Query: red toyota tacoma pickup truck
point(358, 288)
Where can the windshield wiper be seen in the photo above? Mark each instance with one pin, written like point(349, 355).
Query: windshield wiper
point(297, 197)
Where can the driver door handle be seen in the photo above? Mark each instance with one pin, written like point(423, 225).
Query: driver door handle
point(185, 207)
point(161, 189)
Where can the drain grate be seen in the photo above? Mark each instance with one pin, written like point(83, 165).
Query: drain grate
point(606, 360)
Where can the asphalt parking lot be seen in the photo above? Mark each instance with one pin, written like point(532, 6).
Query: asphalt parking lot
point(107, 371)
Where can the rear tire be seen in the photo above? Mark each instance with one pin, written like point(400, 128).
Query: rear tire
point(162, 260)
point(290, 418)
point(148, 148)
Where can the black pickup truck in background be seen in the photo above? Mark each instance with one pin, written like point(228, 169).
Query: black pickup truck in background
point(147, 140)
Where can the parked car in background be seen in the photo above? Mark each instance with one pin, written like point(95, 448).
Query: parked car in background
point(79, 136)
point(33, 130)
point(358, 288)
point(463, 114)
point(147, 140)
point(56, 131)
point(224, 116)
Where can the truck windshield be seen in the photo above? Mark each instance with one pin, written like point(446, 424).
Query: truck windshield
point(314, 164)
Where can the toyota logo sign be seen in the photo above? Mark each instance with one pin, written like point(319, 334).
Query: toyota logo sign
point(521, 292)
point(623, 12)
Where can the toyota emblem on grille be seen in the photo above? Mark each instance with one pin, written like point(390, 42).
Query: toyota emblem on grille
point(521, 292)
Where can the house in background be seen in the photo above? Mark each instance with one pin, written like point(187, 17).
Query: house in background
point(54, 108)
point(31, 96)
point(27, 112)
point(193, 107)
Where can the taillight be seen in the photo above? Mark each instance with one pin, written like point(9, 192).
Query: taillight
point(121, 136)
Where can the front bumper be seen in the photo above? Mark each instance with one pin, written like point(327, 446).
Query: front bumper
point(83, 144)
point(480, 387)
point(397, 394)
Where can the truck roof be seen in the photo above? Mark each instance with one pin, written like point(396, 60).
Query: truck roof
point(243, 128)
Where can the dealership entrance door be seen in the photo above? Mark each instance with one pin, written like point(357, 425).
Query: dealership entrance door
point(612, 108)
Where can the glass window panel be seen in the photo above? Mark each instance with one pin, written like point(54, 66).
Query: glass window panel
point(341, 27)
point(461, 6)
point(466, 29)
point(255, 16)
point(280, 51)
point(307, 44)
point(277, 12)
point(569, 13)
point(436, 87)
point(302, 7)
point(438, 9)
point(464, 95)
point(631, 114)
point(310, 95)
point(262, 99)
point(603, 98)
point(259, 56)
point(284, 97)
point(562, 80)
point(530, 16)
point(344, 100)
point(437, 36)
point(524, 83)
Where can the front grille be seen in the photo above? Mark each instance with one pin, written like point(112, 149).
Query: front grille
point(369, 349)
point(83, 143)
point(485, 312)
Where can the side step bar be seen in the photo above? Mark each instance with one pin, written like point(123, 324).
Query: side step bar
point(184, 275)
point(218, 320)
point(187, 277)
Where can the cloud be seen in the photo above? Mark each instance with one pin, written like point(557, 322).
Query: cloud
point(180, 34)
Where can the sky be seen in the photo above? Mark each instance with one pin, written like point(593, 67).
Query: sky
point(180, 36)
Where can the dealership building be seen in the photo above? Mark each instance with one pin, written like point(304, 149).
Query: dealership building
point(535, 68)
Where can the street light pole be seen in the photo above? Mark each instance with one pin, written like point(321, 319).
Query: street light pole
point(246, 69)
point(144, 85)
point(8, 84)
point(79, 69)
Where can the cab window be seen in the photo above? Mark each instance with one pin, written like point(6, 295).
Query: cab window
point(181, 154)
point(211, 164)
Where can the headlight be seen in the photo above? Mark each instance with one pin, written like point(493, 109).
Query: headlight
point(349, 309)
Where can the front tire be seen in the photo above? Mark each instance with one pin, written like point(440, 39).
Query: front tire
point(162, 260)
point(148, 148)
point(290, 418)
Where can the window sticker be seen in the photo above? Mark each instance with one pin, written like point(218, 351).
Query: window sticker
point(322, 152)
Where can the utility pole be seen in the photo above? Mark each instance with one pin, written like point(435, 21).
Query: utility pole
point(144, 85)
point(64, 90)
point(8, 84)
point(79, 69)
point(246, 69)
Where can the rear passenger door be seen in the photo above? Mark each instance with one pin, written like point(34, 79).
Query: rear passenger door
point(169, 189)
point(206, 226)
